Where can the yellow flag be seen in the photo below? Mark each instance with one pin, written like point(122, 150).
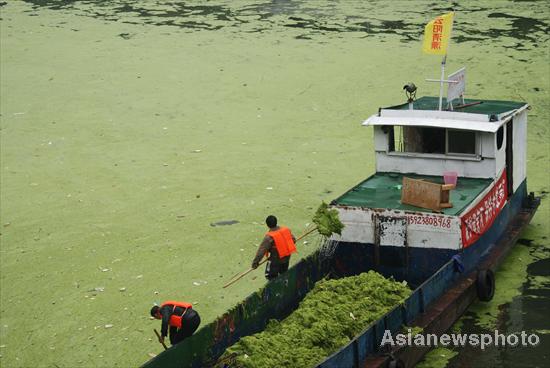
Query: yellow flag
point(437, 34)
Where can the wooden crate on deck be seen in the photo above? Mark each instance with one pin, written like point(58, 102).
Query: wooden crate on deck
point(425, 194)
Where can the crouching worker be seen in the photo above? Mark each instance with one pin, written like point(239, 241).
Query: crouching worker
point(180, 316)
point(278, 244)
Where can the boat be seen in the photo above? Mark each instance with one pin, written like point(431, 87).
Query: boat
point(446, 203)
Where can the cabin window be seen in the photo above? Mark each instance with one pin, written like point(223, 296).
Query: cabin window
point(462, 142)
point(429, 140)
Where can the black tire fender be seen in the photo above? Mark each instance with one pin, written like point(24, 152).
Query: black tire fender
point(485, 284)
point(396, 363)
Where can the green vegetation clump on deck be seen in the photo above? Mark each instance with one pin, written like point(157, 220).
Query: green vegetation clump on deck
point(332, 314)
point(327, 221)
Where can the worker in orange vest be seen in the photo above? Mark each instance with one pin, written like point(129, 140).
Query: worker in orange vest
point(180, 316)
point(278, 244)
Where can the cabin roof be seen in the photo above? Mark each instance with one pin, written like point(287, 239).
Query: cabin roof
point(483, 115)
point(383, 190)
point(486, 107)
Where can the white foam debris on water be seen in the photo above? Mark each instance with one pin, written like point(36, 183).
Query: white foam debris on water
point(122, 289)
point(156, 293)
point(108, 325)
point(139, 276)
point(269, 188)
point(105, 269)
point(100, 289)
point(196, 283)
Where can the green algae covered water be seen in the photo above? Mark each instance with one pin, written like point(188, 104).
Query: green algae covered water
point(127, 128)
point(329, 317)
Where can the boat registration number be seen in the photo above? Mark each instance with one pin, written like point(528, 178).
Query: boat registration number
point(435, 221)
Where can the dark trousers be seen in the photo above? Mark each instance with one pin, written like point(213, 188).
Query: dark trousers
point(190, 323)
point(274, 269)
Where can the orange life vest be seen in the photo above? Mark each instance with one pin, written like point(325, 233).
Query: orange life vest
point(283, 241)
point(175, 320)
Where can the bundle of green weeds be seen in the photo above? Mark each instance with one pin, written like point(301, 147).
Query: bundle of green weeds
point(332, 314)
point(327, 221)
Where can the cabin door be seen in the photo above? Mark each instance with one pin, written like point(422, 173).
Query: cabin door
point(390, 241)
point(509, 156)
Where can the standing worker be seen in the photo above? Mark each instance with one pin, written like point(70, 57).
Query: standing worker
point(280, 244)
point(180, 316)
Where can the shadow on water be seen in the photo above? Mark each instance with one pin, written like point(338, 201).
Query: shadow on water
point(330, 18)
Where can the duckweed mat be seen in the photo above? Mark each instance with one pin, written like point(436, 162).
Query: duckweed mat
point(330, 316)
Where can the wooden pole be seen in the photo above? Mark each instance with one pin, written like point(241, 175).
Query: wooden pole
point(240, 276)
point(158, 336)
point(244, 274)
